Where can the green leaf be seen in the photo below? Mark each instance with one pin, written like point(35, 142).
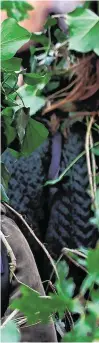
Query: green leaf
point(84, 30)
point(40, 38)
point(96, 151)
point(12, 65)
point(8, 112)
point(21, 124)
point(14, 153)
point(10, 82)
point(64, 286)
point(87, 283)
point(60, 35)
point(52, 85)
point(97, 198)
point(10, 131)
point(93, 262)
point(93, 308)
point(50, 22)
point(39, 308)
point(10, 333)
point(13, 37)
point(16, 9)
point(83, 331)
point(29, 99)
point(4, 196)
point(35, 79)
point(35, 135)
point(35, 307)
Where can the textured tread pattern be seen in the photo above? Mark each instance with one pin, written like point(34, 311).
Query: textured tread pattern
point(71, 209)
point(25, 190)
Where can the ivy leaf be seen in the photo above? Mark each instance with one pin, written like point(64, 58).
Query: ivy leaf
point(87, 283)
point(14, 153)
point(10, 82)
point(40, 38)
point(93, 263)
point(21, 123)
point(35, 79)
point(50, 22)
point(84, 30)
point(52, 86)
point(83, 331)
point(12, 65)
point(35, 135)
point(10, 131)
point(35, 307)
point(60, 35)
point(5, 176)
point(96, 151)
point(39, 308)
point(10, 333)
point(13, 37)
point(64, 286)
point(29, 99)
point(16, 9)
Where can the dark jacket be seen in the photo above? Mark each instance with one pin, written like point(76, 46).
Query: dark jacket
point(26, 271)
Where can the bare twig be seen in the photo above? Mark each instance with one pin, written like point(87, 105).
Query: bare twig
point(87, 148)
point(73, 261)
point(74, 251)
point(93, 165)
point(36, 238)
point(11, 316)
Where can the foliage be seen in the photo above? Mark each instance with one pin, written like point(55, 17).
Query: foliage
point(13, 37)
point(84, 28)
point(40, 308)
point(50, 60)
point(16, 9)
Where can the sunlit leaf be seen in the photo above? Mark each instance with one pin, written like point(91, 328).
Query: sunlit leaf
point(21, 123)
point(13, 37)
point(35, 79)
point(35, 135)
point(16, 9)
point(84, 30)
point(13, 64)
point(28, 99)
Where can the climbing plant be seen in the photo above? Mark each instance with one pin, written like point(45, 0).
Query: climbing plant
point(55, 56)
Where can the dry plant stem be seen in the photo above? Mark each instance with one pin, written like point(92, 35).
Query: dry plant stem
point(10, 253)
point(87, 147)
point(74, 251)
point(11, 316)
point(93, 165)
point(83, 114)
point(36, 238)
point(75, 262)
point(51, 275)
